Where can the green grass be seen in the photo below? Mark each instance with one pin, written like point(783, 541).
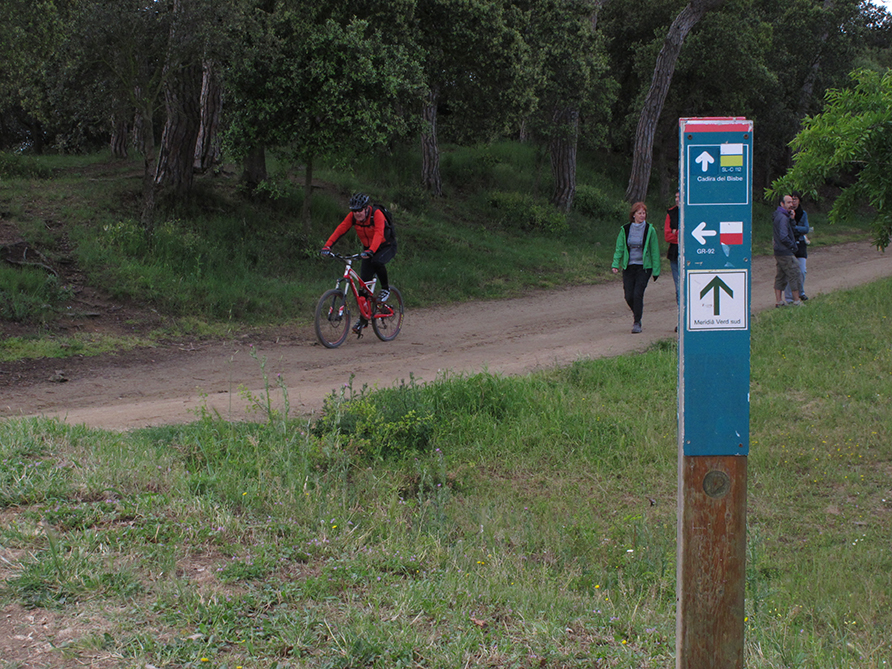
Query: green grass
point(224, 260)
point(56, 346)
point(471, 521)
point(29, 294)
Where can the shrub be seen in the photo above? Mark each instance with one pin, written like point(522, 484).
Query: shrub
point(377, 429)
point(520, 210)
point(591, 201)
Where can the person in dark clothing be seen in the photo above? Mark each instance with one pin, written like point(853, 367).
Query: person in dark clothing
point(670, 233)
point(800, 231)
point(784, 241)
point(378, 247)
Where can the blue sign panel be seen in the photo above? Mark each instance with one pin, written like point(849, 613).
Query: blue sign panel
point(718, 173)
point(715, 254)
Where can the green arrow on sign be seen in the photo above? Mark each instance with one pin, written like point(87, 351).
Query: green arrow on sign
point(715, 285)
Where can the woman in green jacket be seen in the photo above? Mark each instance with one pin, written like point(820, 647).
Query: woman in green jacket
point(638, 256)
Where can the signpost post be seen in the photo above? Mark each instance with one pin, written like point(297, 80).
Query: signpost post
point(715, 259)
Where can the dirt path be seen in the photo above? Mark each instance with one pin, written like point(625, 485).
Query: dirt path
point(167, 385)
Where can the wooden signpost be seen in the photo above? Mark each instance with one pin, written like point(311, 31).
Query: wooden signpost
point(715, 254)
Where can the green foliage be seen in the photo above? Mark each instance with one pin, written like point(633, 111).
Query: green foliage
point(29, 294)
point(316, 87)
point(592, 201)
point(851, 139)
point(523, 212)
point(64, 346)
point(210, 261)
point(786, 54)
point(31, 68)
point(378, 425)
point(479, 69)
point(570, 70)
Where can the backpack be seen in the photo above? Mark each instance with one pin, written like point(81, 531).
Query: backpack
point(389, 231)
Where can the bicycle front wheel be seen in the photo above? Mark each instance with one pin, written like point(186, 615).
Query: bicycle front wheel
point(332, 318)
point(388, 319)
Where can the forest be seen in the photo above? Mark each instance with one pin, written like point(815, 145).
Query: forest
point(183, 83)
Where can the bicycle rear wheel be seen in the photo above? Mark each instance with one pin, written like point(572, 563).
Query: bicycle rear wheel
point(332, 318)
point(388, 319)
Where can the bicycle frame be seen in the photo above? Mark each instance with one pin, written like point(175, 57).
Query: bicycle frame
point(332, 317)
point(363, 294)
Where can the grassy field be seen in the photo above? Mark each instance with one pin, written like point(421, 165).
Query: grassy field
point(476, 521)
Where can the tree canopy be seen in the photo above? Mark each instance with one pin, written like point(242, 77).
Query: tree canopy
point(315, 87)
point(849, 143)
point(342, 76)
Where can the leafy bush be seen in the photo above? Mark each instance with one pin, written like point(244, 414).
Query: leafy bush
point(520, 210)
point(593, 202)
point(466, 168)
point(376, 427)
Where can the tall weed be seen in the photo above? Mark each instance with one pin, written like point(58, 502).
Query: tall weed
point(28, 294)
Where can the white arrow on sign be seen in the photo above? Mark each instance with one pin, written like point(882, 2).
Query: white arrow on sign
point(704, 159)
point(700, 233)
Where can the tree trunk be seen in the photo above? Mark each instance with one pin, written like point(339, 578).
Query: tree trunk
point(118, 140)
point(653, 104)
point(308, 194)
point(207, 146)
point(430, 149)
point(137, 137)
point(181, 101)
point(563, 157)
point(254, 168)
point(147, 218)
point(182, 95)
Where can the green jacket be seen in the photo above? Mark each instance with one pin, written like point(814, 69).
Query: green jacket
point(651, 250)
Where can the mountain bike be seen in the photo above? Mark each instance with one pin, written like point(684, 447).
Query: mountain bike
point(333, 311)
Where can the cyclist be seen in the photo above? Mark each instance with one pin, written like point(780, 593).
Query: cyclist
point(378, 244)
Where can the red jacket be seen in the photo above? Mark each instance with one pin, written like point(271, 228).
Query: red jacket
point(670, 233)
point(371, 233)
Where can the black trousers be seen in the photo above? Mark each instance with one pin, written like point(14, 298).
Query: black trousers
point(376, 265)
point(635, 279)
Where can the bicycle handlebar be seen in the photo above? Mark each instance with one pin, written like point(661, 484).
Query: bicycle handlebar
point(355, 256)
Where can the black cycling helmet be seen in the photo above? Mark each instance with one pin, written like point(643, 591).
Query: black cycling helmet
point(359, 201)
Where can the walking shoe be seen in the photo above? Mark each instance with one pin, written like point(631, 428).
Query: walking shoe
point(780, 304)
point(383, 295)
point(360, 324)
point(636, 328)
point(803, 297)
point(797, 303)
